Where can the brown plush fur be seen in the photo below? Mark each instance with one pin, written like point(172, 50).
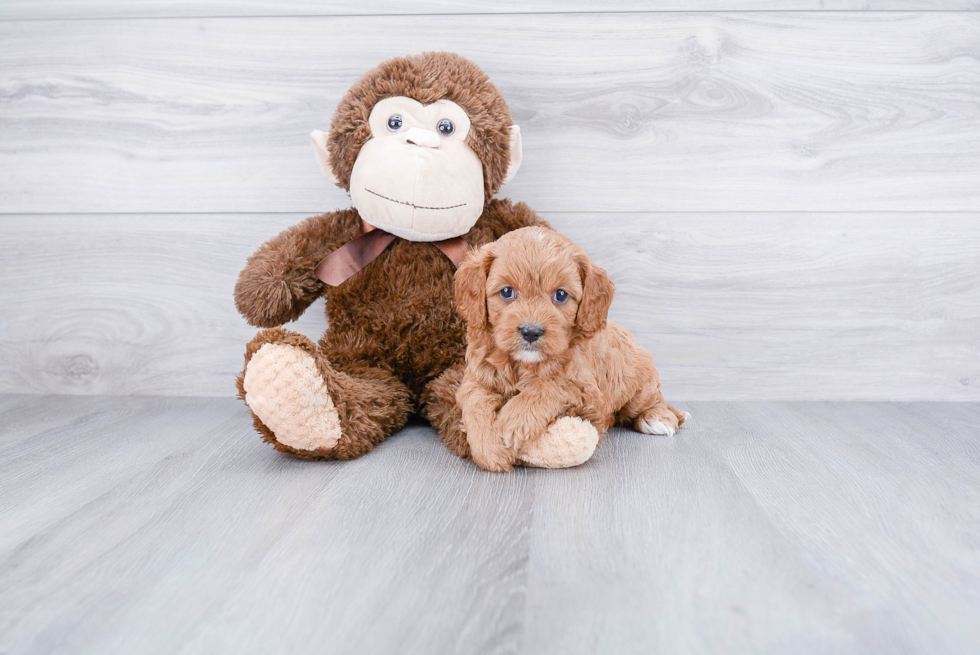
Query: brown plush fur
point(393, 327)
point(372, 403)
point(512, 390)
point(442, 411)
point(427, 77)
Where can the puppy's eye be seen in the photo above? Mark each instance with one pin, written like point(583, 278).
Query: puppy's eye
point(560, 296)
point(395, 123)
point(446, 127)
point(508, 294)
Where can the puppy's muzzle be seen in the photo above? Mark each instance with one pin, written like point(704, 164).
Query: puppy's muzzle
point(531, 333)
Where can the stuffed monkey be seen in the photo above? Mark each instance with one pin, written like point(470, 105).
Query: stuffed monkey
point(422, 144)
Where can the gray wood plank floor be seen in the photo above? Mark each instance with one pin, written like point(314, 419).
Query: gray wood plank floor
point(143, 524)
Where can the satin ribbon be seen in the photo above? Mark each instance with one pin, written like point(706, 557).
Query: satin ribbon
point(354, 255)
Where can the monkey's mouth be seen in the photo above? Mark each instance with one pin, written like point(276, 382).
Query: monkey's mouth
point(402, 202)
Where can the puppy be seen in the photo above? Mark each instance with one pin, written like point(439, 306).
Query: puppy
point(540, 348)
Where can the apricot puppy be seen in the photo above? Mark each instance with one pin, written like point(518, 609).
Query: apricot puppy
point(540, 348)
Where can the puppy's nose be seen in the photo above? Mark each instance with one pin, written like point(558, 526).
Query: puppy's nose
point(531, 333)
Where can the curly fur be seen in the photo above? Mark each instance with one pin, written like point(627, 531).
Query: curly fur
point(580, 365)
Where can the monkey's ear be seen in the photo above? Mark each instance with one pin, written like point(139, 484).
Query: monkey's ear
point(471, 287)
point(516, 154)
point(597, 296)
point(319, 140)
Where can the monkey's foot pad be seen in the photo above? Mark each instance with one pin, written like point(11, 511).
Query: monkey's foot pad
point(284, 388)
point(567, 442)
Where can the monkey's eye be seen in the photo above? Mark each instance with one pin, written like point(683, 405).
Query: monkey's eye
point(446, 127)
point(395, 123)
point(560, 297)
point(507, 294)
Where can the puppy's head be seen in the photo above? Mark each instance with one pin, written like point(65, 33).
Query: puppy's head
point(531, 293)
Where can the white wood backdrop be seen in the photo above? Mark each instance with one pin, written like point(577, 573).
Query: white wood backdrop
point(788, 201)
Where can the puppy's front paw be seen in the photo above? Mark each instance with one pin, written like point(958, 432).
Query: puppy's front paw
point(517, 426)
point(493, 457)
point(489, 452)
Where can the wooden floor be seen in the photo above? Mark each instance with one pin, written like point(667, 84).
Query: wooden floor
point(164, 525)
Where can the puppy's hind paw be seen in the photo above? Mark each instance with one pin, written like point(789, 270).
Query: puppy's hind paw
point(661, 419)
point(655, 427)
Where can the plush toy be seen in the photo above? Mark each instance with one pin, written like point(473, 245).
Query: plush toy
point(422, 144)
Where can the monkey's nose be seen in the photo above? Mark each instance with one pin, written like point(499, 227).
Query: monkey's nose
point(419, 137)
point(531, 333)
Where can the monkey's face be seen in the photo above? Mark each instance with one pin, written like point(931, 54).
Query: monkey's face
point(416, 177)
point(419, 168)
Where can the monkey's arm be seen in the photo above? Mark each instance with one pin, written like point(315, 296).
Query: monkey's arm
point(278, 284)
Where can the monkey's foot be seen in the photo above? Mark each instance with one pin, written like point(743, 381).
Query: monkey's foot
point(569, 441)
point(285, 390)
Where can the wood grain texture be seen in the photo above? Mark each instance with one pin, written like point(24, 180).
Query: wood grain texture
point(217, 519)
point(799, 517)
point(128, 304)
point(760, 527)
point(88, 9)
point(831, 111)
point(732, 306)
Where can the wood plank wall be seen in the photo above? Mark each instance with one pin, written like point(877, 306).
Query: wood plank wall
point(787, 194)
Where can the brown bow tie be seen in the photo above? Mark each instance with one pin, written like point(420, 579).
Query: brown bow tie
point(355, 255)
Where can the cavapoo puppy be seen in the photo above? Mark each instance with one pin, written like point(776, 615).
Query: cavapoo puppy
point(540, 349)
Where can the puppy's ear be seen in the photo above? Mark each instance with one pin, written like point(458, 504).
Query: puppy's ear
point(597, 296)
point(471, 287)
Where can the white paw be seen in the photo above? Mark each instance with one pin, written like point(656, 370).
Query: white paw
point(656, 427)
point(286, 391)
point(687, 416)
point(567, 442)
